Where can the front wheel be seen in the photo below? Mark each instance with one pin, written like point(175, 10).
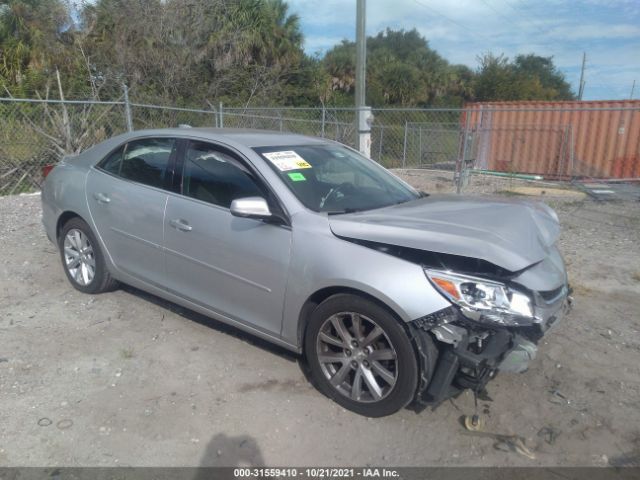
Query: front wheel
point(360, 356)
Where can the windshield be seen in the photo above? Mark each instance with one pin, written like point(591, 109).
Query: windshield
point(334, 179)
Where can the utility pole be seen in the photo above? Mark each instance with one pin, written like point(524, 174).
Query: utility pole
point(364, 118)
point(633, 87)
point(581, 88)
point(361, 52)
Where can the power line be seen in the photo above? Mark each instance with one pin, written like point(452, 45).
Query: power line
point(526, 18)
point(547, 43)
point(450, 19)
point(518, 12)
point(496, 11)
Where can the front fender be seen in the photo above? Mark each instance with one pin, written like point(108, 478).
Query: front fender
point(321, 260)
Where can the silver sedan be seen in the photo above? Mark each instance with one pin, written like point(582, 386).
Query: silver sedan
point(394, 296)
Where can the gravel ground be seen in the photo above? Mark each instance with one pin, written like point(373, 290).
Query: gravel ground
point(127, 379)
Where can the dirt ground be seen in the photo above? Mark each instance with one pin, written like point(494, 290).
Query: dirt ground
point(127, 379)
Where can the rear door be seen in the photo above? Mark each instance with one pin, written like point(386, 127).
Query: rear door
point(127, 197)
point(234, 266)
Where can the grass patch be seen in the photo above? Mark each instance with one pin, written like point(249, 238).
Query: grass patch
point(126, 353)
point(510, 193)
point(579, 289)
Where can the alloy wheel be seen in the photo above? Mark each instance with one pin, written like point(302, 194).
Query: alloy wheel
point(79, 257)
point(357, 357)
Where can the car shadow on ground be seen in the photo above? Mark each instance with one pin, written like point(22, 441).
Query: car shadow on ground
point(213, 324)
point(240, 334)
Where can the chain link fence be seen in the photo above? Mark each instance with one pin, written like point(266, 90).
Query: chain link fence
point(462, 148)
point(35, 133)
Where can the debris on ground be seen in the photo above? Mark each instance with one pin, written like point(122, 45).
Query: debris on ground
point(513, 443)
point(44, 422)
point(508, 443)
point(549, 434)
point(474, 423)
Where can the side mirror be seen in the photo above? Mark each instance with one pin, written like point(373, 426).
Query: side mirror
point(250, 207)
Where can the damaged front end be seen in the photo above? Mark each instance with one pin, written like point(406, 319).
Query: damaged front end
point(469, 355)
point(494, 323)
point(473, 347)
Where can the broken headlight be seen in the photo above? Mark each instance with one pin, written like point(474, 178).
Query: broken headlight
point(484, 300)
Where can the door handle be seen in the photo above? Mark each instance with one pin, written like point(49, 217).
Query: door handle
point(180, 224)
point(101, 198)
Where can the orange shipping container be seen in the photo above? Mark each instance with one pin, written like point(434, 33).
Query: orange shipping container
point(599, 139)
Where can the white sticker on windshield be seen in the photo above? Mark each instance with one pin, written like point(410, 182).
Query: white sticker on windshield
point(287, 160)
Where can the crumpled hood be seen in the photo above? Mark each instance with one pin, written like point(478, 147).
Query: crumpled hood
point(511, 234)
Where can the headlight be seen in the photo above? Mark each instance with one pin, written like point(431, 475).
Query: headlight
point(484, 300)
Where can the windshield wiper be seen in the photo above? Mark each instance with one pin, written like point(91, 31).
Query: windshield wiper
point(346, 210)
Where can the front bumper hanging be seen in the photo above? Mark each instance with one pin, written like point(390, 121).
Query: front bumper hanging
point(470, 354)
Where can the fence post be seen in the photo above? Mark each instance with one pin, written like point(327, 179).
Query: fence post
point(280, 119)
point(221, 115)
point(572, 153)
point(462, 163)
point(404, 148)
point(324, 114)
point(420, 146)
point(380, 144)
point(127, 108)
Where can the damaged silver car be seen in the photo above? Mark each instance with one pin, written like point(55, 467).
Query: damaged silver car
point(394, 296)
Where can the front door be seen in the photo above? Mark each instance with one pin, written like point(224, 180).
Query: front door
point(234, 266)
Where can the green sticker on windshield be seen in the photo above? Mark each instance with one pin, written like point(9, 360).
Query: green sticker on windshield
point(296, 176)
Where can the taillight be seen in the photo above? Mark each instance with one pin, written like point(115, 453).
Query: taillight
point(46, 169)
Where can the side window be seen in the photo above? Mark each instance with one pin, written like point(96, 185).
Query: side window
point(215, 177)
point(111, 164)
point(146, 161)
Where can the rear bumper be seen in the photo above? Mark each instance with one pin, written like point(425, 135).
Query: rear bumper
point(470, 355)
point(49, 214)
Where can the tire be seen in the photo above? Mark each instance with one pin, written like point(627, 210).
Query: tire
point(382, 351)
point(79, 247)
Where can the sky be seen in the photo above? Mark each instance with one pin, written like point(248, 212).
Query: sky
point(460, 30)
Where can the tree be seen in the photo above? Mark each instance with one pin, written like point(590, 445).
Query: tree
point(401, 70)
point(246, 50)
point(35, 38)
point(529, 77)
point(239, 52)
point(552, 82)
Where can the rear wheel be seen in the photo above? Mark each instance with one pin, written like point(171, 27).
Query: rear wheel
point(82, 258)
point(361, 356)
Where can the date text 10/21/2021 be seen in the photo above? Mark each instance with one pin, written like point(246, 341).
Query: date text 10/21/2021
point(370, 472)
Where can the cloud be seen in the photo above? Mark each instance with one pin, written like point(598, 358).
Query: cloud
point(460, 31)
point(596, 31)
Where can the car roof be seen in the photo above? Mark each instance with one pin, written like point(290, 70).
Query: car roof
point(241, 136)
